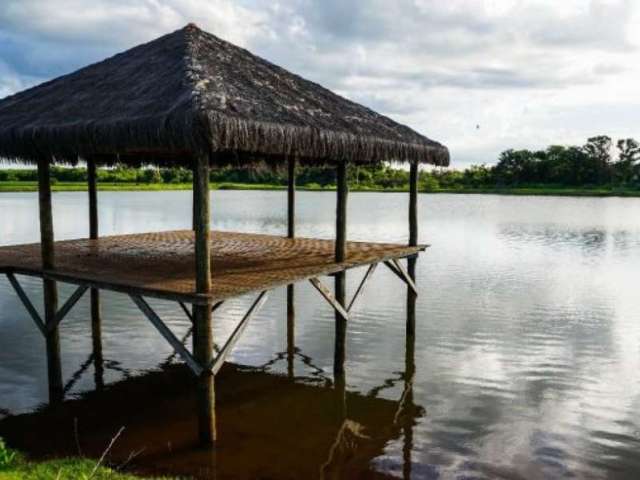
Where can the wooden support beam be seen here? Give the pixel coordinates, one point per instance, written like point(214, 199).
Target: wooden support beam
point(291, 198)
point(341, 212)
point(168, 335)
point(340, 279)
point(66, 308)
point(291, 233)
point(216, 306)
point(216, 364)
point(186, 311)
point(33, 313)
point(189, 314)
point(396, 268)
point(194, 200)
point(46, 328)
point(54, 364)
point(92, 180)
point(202, 316)
point(413, 205)
point(96, 320)
point(366, 277)
point(411, 298)
point(340, 346)
point(413, 240)
point(328, 296)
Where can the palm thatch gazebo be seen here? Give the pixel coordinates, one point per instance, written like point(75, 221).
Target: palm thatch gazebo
point(191, 99)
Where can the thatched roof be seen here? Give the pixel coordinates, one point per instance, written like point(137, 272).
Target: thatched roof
point(191, 92)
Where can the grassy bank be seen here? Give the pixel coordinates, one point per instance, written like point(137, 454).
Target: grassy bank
point(14, 466)
point(25, 186)
point(550, 191)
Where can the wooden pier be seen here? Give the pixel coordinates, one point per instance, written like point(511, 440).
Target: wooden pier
point(162, 264)
point(194, 100)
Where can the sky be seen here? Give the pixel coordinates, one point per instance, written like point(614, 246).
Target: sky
point(478, 76)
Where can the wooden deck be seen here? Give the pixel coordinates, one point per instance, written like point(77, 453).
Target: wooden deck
point(162, 264)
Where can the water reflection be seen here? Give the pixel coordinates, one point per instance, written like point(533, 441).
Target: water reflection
point(526, 331)
point(269, 426)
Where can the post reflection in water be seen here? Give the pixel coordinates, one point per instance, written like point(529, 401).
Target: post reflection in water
point(406, 404)
point(291, 325)
point(314, 429)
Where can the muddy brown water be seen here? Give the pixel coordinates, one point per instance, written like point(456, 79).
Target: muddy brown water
point(526, 352)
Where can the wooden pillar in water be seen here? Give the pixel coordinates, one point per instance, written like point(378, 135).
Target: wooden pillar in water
point(194, 216)
point(202, 316)
point(96, 320)
point(340, 256)
point(413, 241)
point(291, 233)
point(54, 364)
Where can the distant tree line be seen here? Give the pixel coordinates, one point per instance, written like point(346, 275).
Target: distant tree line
point(597, 163)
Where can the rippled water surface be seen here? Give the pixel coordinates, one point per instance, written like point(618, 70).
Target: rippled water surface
point(527, 348)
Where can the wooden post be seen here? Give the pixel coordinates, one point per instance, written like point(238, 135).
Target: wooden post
point(413, 241)
point(194, 216)
point(413, 205)
point(202, 316)
point(54, 365)
point(291, 199)
point(96, 321)
point(194, 207)
point(340, 256)
point(291, 233)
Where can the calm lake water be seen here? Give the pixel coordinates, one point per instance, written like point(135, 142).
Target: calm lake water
point(527, 346)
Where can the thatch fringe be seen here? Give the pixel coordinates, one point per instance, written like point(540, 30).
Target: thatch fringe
point(189, 93)
point(275, 139)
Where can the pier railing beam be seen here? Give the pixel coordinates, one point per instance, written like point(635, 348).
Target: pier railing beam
point(54, 364)
point(340, 256)
point(291, 233)
point(96, 320)
point(202, 316)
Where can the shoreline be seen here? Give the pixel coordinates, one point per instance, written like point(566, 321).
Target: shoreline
point(24, 187)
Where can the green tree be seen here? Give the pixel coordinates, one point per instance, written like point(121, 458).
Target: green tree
point(628, 157)
point(599, 149)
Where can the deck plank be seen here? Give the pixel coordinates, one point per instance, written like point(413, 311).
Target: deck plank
point(162, 263)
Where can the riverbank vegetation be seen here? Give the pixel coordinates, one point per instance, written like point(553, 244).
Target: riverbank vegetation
point(599, 167)
point(14, 466)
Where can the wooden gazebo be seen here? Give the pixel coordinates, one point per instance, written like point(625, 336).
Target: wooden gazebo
point(192, 99)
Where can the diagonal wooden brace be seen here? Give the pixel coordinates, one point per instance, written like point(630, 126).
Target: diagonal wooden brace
point(396, 268)
point(186, 311)
point(328, 296)
point(167, 334)
point(33, 313)
point(66, 308)
point(46, 328)
point(217, 362)
point(190, 315)
point(366, 277)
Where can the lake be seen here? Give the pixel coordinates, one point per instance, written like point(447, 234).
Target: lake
point(527, 342)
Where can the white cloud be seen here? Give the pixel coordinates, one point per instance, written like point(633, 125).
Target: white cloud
point(529, 73)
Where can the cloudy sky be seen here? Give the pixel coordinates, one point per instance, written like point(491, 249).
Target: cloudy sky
point(529, 73)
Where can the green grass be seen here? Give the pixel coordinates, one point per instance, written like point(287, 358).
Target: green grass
point(81, 187)
point(550, 191)
point(535, 190)
point(14, 466)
